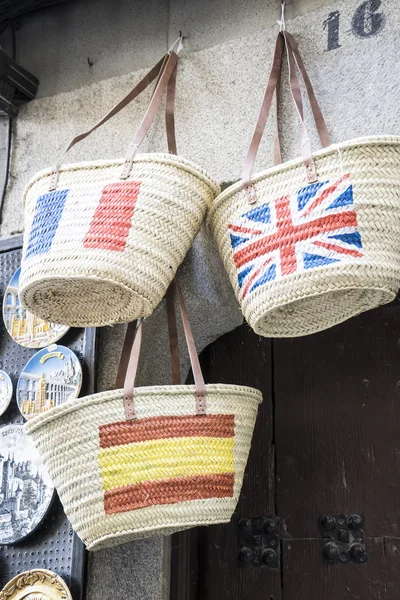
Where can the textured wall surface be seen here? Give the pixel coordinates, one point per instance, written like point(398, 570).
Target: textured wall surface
point(222, 76)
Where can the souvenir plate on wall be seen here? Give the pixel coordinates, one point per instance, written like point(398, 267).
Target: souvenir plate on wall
point(26, 490)
point(51, 377)
point(38, 584)
point(6, 391)
point(26, 329)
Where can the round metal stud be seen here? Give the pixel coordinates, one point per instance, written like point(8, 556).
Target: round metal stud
point(270, 526)
point(269, 557)
point(331, 552)
point(328, 523)
point(245, 525)
point(358, 553)
point(245, 557)
point(355, 522)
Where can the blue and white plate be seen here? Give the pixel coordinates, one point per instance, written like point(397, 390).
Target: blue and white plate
point(50, 378)
point(6, 391)
point(26, 329)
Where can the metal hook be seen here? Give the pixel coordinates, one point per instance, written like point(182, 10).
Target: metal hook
point(178, 44)
point(281, 23)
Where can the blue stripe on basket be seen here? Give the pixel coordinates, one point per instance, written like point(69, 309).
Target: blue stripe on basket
point(48, 211)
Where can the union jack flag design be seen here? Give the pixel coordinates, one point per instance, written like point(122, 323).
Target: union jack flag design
point(313, 228)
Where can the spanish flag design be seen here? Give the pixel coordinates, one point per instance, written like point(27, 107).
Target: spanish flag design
point(165, 460)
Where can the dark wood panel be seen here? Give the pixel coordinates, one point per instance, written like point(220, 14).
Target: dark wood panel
point(392, 558)
point(337, 424)
point(184, 582)
point(307, 577)
point(243, 358)
point(239, 357)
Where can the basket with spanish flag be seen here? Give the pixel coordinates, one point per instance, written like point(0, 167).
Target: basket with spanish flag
point(136, 462)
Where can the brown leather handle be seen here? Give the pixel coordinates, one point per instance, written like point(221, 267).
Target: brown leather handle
point(262, 119)
point(296, 95)
point(322, 129)
point(173, 344)
point(286, 40)
point(170, 59)
point(129, 384)
point(125, 354)
point(173, 337)
point(315, 107)
point(150, 114)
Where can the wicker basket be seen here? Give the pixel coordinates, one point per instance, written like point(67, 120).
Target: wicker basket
point(103, 240)
point(172, 460)
point(312, 242)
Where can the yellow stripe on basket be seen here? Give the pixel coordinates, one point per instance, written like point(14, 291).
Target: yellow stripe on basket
point(165, 459)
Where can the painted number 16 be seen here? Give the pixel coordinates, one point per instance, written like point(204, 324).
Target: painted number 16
point(366, 22)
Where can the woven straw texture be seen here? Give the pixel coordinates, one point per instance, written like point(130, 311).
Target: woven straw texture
point(306, 257)
point(168, 470)
point(101, 250)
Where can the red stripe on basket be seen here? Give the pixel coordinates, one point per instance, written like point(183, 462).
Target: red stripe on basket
point(157, 428)
point(168, 491)
point(112, 219)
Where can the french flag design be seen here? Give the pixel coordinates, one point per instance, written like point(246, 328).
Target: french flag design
point(104, 225)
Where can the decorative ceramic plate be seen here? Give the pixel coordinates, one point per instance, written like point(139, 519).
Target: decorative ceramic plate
point(26, 329)
point(6, 391)
point(26, 490)
point(50, 378)
point(36, 585)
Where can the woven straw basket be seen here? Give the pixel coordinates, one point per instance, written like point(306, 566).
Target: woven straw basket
point(103, 240)
point(172, 460)
point(312, 242)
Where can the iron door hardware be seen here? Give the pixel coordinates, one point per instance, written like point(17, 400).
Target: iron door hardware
point(258, 542)
point(343, 538)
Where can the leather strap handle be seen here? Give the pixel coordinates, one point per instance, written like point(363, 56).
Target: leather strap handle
point(296, 95)
point(294, 59)
point(150, 114)
point(262, 119)
point(173, 337)
point(277, 141)
point(155, 73)
point(173, 344)
point(315, 107)
point(129, 384)
point(170, 112)
point(194, 357)
point(125, 354)
point(316, 110)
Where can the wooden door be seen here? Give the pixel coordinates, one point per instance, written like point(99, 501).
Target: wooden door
point(326, 445)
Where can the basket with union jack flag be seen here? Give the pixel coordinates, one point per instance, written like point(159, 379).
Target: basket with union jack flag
point(311, 242)
point(137, 462)
point(104, 239)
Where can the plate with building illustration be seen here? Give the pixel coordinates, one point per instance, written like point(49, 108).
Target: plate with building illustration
point(26, 490)
point(50, 378)
point(26, 329)
point(6, 391)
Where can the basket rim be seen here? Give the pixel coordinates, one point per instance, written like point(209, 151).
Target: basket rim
point(371, 140)
point(100, 397)
point(159, 157)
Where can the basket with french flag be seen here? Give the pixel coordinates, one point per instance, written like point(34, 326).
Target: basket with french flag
point(103, 240)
